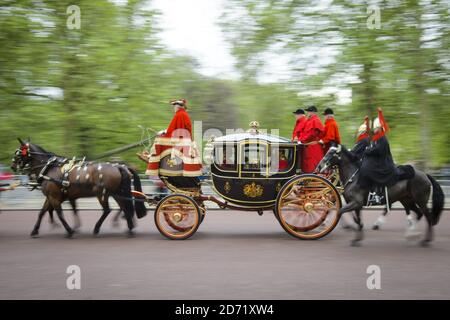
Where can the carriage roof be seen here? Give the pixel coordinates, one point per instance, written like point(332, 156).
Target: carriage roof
point(239, 137)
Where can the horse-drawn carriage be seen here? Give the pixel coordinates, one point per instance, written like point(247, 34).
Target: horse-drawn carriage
point(250, 172)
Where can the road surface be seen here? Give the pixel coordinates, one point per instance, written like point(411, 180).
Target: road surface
point(234, 255)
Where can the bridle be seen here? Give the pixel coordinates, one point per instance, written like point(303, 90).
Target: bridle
point(337, 155)
point(23, 156)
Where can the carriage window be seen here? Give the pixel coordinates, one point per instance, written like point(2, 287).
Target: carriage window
point(225, 157)
point(254, 158)
point(281, 159)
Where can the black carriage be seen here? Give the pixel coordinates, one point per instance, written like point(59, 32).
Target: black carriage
point(251, 172)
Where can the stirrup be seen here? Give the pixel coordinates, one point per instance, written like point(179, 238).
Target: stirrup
point(374, 199)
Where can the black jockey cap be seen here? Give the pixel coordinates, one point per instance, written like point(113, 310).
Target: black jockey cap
point(299, 111)
point(328, 111)
point(311, 109)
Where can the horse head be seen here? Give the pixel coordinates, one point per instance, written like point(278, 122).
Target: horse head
point(331, 158)
point(22, 159)
point(25, 154)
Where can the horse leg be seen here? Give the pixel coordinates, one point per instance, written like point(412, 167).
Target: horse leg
point(380, 220)
point(128, 217)
point(359, 235)
point(73, 203)
point(44, 209)
point(115, 222)
point(53, 223)
point(351, 206)
point(411, 222)
point(106, 210)
point(56, 204)
point(429, 233)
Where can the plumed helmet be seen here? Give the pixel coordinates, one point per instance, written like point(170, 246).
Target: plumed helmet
point(377, 123)
point(362, 129)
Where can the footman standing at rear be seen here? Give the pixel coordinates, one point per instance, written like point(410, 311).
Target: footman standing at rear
point(313, 151)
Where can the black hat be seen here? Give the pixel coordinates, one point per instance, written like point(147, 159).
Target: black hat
point(328, 111)
point(311, 109)
point(299, 111)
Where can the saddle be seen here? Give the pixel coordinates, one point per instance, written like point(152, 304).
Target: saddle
point(377, 196)
point(406, 172)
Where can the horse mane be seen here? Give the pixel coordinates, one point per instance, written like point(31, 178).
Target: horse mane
point(37, 148)
point(350, 155)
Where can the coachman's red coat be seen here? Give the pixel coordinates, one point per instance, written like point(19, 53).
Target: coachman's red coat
point(312, 154)
point(331, 134)
point(299, 127)
point(174, 153)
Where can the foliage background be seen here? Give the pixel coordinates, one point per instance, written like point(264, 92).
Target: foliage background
point(83, 92)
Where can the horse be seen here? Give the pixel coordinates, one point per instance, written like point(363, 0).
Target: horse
point(413, 193)
point(86, 179)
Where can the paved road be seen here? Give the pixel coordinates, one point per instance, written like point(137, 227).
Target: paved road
point(234, 255)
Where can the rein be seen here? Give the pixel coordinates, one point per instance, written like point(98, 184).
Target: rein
point(351, 178)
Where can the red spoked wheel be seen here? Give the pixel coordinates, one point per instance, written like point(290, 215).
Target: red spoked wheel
point(308, 207)
point(177, 217)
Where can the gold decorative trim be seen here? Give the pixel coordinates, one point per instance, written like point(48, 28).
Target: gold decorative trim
point(253, 190)
point(227, 187)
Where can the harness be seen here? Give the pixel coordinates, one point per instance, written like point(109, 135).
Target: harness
point(43, 174)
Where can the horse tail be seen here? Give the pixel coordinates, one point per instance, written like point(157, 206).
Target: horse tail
point(139, 206)
point(438, 200)
point(125, 192)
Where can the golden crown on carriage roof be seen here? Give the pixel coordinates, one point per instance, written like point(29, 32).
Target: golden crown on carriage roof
point(254, 127)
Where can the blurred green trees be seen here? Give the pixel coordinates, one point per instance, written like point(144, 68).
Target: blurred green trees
point(402, 65)
point(84, 91)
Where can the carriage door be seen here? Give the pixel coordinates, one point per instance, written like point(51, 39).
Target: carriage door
point(254, 160)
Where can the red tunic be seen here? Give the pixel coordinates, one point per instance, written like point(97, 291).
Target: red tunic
point(299, 127)
point(312, 154)
point(180, 121)
point(180, 128)
point(331, 134)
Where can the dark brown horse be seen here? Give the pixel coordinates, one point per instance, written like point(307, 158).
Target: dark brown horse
point(60, 182)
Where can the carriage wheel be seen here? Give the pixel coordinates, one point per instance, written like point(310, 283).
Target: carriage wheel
point(177, 217)
point(308, 207)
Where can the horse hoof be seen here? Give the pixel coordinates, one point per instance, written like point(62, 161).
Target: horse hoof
point(70, 234)
point(425, 243)
point(56, 225)
point(347, 227)
point(355, 243)
point(131, 234)
point(412, 235)
point(34, 234)
point(376, 227)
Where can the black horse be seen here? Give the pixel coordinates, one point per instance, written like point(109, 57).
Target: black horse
point(413, 193)
point(99, 180)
